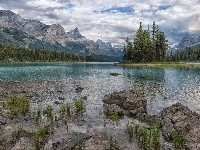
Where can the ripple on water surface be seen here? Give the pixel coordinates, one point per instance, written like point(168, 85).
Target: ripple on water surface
point(162, 86)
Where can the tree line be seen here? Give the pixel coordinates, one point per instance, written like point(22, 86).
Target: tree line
point(20, 54)
point(188, 54)
point(147, 46)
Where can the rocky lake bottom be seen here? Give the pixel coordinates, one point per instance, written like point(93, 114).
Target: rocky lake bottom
point(90, 128)
point(90, 106)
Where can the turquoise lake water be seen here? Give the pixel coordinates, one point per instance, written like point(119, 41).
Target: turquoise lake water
point(162, 86)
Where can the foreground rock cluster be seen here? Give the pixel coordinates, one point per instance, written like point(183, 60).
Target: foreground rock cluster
point(176, 118)
point(125, 101)
point(180, 119)
point(173, 119)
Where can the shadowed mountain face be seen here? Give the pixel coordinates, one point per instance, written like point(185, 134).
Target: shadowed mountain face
point(52, 34)
point(107, 49)
point(35, 34)
point(192, 41)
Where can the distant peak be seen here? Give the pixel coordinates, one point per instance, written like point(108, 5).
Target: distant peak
point(99, 40)
point(75, 34)
point(76, 30)
point(56, 25)
point(7, 12)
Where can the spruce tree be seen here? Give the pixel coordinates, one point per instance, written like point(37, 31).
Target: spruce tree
point(124, 59)
point(153, 54)
point(146, 48)
point(139, 43)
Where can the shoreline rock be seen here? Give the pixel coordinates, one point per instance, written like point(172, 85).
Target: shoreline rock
point(180, 119)
point(174, 119)
point(126, 100)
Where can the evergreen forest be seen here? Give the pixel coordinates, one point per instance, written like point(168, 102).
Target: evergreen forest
point(147, 46)
point(187, 55)
point(20, 54)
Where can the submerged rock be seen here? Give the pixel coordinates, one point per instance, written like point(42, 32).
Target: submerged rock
point(58, 102)
point(114, 74)
point(126, 100)
point(84, 98)
point(113, 108)
point(97, 142)
point(180, 119)
point(79, 89)
point(8, 128)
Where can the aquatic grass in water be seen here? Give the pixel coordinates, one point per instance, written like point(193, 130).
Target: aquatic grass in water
point(38, 116)
point(130, 130)
point(179, 140)
point(79, 105)
point(18, 105)
point(111, 115)
point(65, 112)
point(48, 112)
point(65, 109)
point(39, 136)
point(148, 137)
point(113, 144)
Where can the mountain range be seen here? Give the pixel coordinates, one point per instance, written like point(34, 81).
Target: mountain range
point(29, 33)
point(34, 34)
point(190, 41)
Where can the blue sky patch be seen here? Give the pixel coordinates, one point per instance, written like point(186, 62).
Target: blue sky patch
point(164, 7)
point(70, 6)
point(127, 10)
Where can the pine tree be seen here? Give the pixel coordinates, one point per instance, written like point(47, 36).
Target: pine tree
point(130, 51)
point(139, 43)
point(163, 46)
point(153, 54)
point(146, 48)
point(124, 54)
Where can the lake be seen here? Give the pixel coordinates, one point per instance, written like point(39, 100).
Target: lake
point(161, 86)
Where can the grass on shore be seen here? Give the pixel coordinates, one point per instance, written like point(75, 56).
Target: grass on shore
point(161, 64)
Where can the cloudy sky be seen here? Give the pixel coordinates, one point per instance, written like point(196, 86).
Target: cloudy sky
point(113, 20)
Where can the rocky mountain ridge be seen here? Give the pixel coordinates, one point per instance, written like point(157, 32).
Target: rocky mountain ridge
point(107, 49)
point(54, 33)
point(190, 41)
point(56, 36)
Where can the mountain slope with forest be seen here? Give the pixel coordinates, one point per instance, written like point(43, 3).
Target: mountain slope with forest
point(29, 33)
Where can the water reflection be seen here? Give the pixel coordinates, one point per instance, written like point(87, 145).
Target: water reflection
point(165, 86)
point(161, 86)
point(144, 74)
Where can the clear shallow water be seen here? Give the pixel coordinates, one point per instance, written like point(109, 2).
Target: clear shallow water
point(162, 86)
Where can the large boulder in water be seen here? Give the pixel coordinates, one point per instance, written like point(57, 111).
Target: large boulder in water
point(130, 100)
point(180, 119)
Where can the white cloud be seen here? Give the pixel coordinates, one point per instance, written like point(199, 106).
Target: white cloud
point(44, 3)
point(177, 18)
